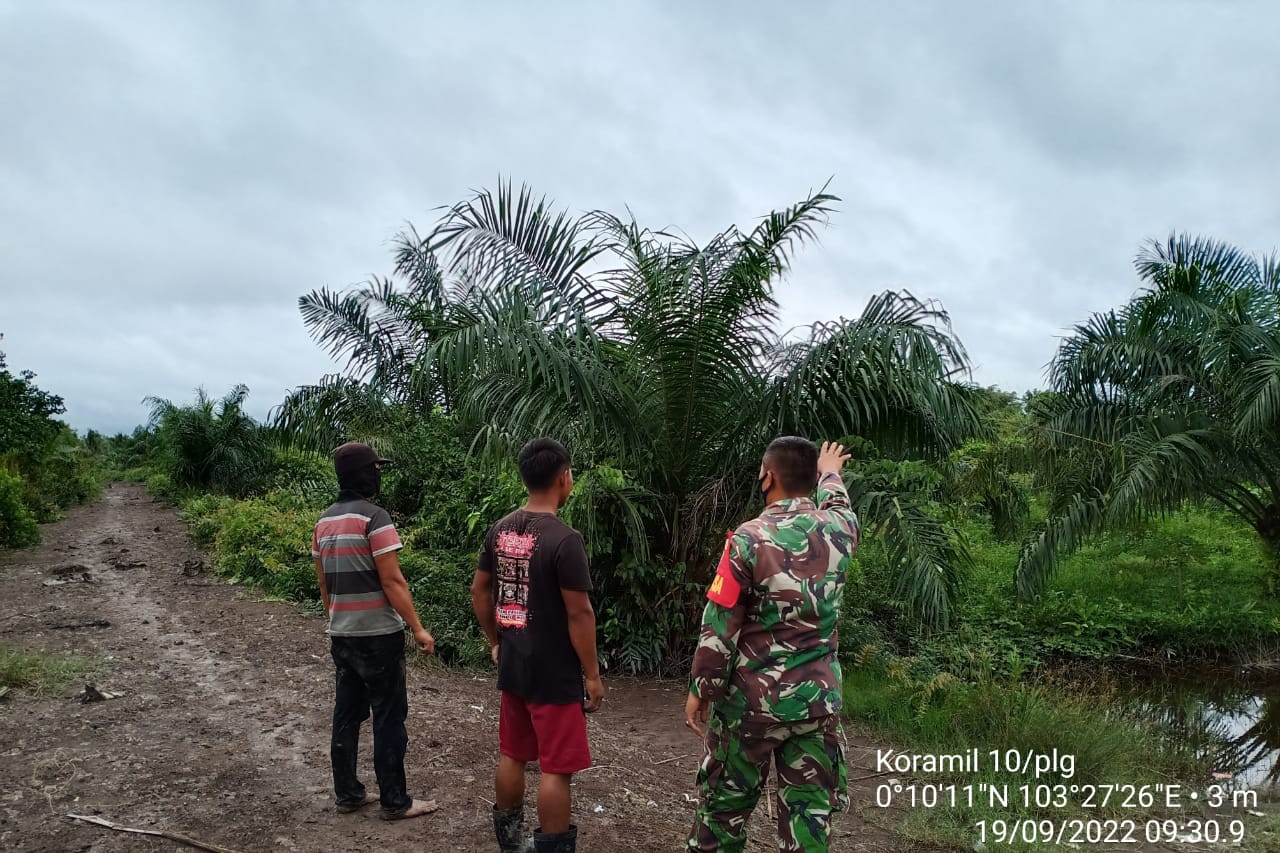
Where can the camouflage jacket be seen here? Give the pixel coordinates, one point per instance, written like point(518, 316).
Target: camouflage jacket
point(768, 645)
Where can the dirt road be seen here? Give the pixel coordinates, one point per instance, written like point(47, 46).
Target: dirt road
point(222, 732)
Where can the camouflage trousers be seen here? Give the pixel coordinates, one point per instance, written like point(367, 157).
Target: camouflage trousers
point(812, 783)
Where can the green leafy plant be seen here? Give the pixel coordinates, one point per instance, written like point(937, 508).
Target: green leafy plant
point(441, 587)
point(54, 468)
point(265, 542)
point(18, 527)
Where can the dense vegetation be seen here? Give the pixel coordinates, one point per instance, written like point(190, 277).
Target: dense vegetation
point(657, 360)
point(1128, 513)
point(1174, 397)
point(44, 466)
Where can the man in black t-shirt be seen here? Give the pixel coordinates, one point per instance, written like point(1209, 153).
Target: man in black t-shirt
point(530, 596)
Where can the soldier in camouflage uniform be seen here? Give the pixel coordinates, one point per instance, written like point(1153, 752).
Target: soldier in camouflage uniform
point(766, 680)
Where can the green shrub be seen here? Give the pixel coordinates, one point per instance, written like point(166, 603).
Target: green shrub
point(645, 613)
point(58, 470)
point(431, 473)
point(441, 589)
point(308, 476)
point(18, 526)
point(265, 542)
point(65, 475)
point(1194, 581)
point(203, 515)
point(161, 486)
point(128, 458)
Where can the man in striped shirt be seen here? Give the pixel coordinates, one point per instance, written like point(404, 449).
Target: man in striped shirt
point(368, 602)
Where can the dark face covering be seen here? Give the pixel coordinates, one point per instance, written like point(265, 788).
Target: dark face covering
point(760, 485)
point(361, 483)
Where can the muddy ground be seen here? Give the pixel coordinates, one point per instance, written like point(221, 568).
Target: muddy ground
point(221, 731)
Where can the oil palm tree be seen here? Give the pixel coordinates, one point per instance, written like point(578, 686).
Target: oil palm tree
point(1174, 397)
point(660, 358)
point(212, 445)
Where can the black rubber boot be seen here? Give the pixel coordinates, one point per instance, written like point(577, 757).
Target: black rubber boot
point(561, 842)
point(508, 825)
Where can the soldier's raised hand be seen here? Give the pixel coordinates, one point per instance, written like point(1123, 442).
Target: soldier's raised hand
point(831, 458)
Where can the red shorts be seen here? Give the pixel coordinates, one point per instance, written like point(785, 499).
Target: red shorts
point(553, 735)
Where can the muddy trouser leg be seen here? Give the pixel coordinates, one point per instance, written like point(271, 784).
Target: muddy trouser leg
point(350, 709)
point(731, 776)
point(812, 784)
point(389, 699)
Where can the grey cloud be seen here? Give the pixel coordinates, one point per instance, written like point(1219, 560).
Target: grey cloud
point(174, 176)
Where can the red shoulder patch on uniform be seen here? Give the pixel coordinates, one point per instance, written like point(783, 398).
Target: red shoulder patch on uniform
point(725, 589)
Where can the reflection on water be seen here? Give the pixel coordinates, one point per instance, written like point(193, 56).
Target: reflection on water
point(1235, 722)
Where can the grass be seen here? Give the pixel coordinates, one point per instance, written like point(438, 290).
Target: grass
point(36, 672)
point(1194, 584)
point(948, 716)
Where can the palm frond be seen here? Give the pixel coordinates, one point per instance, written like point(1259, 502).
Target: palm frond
point(930, 562)
point(1166, 465)
point(766, 252)
point(1191, 266)
point(1173, 397)
point(1259, 401)
point(333, 411)
point(888, 375)
point(505, 236)
point(1061, 535)
point(364, 326)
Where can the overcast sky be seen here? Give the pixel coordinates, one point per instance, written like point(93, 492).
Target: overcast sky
point(173, 175)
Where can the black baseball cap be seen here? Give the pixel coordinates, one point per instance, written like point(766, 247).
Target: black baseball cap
point(353, 456)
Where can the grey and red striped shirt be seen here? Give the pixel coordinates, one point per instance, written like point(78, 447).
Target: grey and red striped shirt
point(347, 537)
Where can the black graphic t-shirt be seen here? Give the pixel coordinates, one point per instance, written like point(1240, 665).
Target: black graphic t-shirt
point(532, 557)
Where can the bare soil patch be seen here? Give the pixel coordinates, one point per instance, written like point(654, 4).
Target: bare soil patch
point(220, 730)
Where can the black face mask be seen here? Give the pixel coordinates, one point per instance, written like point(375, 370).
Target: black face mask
point(363, 483)
point(760, 485)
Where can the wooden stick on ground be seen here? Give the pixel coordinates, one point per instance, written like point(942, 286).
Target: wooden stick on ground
point(172, 836)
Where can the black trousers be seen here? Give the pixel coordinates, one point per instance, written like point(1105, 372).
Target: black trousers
point(370, 677)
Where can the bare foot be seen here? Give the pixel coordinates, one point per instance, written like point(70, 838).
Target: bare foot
point(417, 808)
